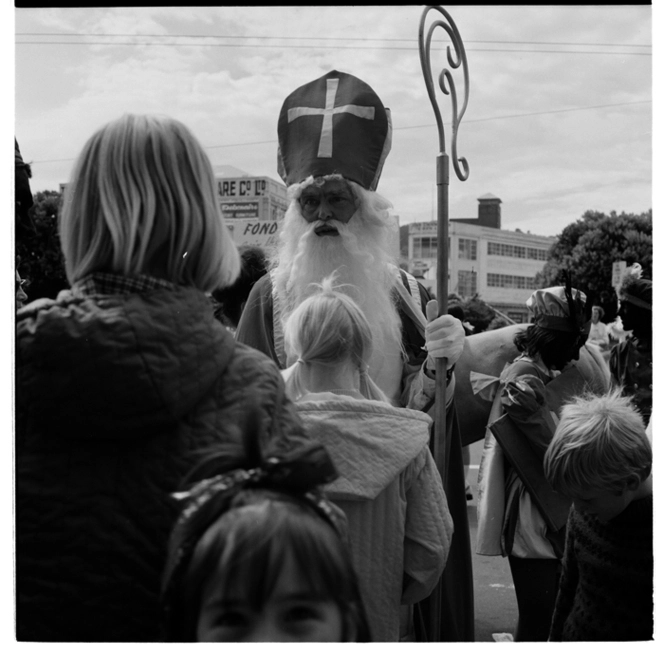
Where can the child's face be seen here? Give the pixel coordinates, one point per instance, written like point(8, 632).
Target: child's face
point(606, 505)
point(291, 614)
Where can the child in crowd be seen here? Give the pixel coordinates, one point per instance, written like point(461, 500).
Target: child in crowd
point(122, 380)
point(601, 458)
point(389, 487)
point(258, 555)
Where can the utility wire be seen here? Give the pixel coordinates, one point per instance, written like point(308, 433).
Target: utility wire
point(316, 47)
point(324, 38)
point(476, 120)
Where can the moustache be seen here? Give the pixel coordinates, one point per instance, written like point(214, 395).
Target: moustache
point(327, 227)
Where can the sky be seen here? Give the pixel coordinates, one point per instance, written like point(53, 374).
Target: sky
point(558, 119)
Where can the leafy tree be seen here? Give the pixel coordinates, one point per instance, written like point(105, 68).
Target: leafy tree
point(588, 247)
point(41, 259)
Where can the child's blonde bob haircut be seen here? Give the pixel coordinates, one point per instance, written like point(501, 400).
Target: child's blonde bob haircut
point(329, 328)
point(599, 444)
point(142, 200)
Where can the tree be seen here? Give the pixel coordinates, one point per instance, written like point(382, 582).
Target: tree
point(587, 249)
point(41, 259)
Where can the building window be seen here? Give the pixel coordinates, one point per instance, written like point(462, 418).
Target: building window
point(467, 286)
point(537, 253)
point(516, 251)
point(424, 247)
point(468, 249)
point(509, 281)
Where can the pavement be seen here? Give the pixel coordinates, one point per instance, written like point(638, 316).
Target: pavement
point(495, 602)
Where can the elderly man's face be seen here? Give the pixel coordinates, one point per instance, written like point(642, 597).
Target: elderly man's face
point(334, 200)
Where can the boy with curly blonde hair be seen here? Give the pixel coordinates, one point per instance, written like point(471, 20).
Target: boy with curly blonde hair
point(601, 458)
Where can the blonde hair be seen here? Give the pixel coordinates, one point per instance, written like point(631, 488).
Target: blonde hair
point(599, 443)
point(142, 200)
point(329, 328)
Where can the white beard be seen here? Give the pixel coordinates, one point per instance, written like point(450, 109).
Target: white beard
point(360, 259)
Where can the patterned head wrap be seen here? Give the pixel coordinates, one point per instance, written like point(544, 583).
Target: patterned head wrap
point(560, 308)
point(298, 474)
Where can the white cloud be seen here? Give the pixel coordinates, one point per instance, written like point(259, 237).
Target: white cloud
point(547, 168)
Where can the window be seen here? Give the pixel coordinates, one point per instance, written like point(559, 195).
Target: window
point(537, 253)
point(516, 251)
point(467, 285)
point(509, 281)
point(424, 247)
point(468, 249)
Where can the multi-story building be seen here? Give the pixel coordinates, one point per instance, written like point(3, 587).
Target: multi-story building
point(253, 207)
point(498, 264)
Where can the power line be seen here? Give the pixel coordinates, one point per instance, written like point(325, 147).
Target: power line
point(324, 38)
point(317, 47)
point(476, 120)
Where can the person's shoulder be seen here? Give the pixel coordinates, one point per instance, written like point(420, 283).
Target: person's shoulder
point(42, 312)
point(261, 292)
point(263, 283)
point(413, 284)
point(522, 365)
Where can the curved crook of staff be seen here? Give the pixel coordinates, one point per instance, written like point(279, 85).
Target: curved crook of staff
point(456, 58)
point(440, 443)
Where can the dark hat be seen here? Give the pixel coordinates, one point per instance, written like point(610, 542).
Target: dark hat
point(334, 125)
point(637, 291)
point(560, 309)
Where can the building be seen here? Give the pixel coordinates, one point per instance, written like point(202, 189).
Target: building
point(498, 264)
point(253, 207)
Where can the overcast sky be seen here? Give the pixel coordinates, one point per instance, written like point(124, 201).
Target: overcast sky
point(559, 117)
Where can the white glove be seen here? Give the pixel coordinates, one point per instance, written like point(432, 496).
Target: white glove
point(444, 336)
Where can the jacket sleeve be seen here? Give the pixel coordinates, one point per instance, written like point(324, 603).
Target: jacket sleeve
point(567, 585)
point(523, 399)
point(429, 529)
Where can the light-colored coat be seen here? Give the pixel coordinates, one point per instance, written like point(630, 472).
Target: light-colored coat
point(399, 522)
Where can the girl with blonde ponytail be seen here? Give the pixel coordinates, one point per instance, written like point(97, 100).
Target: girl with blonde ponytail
point(331, 338)
point(399, 522)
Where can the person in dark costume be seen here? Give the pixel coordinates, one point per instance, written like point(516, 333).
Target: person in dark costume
point(631, 360)
point(334, 136)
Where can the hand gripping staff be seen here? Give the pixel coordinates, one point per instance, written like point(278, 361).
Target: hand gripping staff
point(456, 58)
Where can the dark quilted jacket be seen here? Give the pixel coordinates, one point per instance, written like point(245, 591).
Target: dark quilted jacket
point(115, 396)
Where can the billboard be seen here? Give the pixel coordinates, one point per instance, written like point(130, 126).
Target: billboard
point(257, 198)
point(263, 233)
point(240, 209)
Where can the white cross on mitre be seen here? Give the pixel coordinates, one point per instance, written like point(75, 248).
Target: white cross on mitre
point(325, 145)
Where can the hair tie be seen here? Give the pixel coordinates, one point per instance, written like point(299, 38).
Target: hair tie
point(300, 360)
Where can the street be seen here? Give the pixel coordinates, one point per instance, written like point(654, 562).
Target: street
point(495, 602)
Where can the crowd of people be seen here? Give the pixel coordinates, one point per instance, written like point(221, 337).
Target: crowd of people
point(218, 445)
